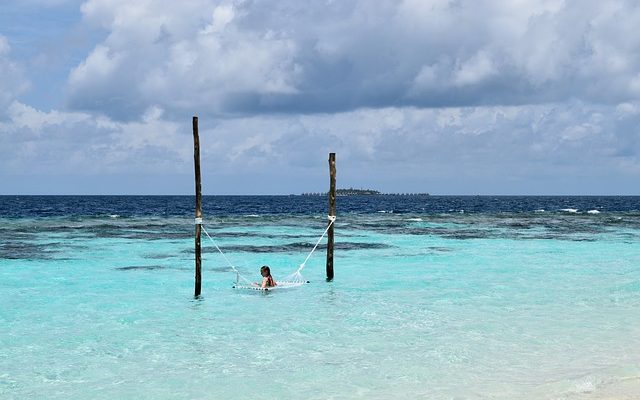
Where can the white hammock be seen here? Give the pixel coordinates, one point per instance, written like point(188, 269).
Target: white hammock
point(290, 281)
point(280, 285)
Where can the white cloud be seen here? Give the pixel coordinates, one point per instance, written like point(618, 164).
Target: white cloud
point(159, 53)
point(489, 149)
point(221, 17)
point(99, 65)
point(57, 142)
point(4, 46)
point(624, 109)
point(475, 70)
point(27, 117)
point(245, 57)
point(12, 81)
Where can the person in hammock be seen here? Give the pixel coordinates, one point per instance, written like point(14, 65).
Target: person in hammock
point(267, 279)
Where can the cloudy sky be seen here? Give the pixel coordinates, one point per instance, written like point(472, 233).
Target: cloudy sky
point(439, 96)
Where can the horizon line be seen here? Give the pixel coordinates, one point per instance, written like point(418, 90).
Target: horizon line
point(321, 194)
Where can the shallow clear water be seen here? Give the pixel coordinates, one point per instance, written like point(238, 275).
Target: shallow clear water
point(497, 303)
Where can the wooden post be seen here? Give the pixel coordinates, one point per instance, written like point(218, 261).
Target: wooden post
point(332, 212)
point(196, 159)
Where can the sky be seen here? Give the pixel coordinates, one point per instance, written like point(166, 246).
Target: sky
point(439, 96)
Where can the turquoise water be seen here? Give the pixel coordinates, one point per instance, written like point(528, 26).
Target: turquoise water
point(423, 306)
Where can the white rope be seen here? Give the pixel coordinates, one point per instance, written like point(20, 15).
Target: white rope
point(332, 219)
point(238, 275)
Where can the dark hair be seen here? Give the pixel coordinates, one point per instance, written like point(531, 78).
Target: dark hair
point(266, 269)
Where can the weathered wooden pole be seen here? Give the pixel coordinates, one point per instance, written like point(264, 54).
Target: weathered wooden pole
point(196, 159)
point(332, 213)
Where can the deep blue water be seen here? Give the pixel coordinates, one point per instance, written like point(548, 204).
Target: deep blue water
point(130, 206)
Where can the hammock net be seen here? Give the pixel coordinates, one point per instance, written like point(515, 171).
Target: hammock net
point(290, 281)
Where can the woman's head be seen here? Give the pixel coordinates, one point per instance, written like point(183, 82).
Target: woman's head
point(265, 271)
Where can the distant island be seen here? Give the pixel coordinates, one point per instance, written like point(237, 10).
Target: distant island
point(363, 192)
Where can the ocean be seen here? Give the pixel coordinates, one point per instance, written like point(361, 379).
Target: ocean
point(434, 297)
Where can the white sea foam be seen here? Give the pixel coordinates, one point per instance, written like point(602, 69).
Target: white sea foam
point(569, 210)
point(114, 216)
point(593, 212)
point(541, 210)
point(252, 216)
point(415, 219)
point(584, 386)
